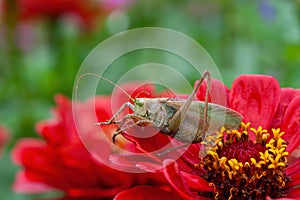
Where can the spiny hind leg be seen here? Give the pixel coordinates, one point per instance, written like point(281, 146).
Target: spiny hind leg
point(202, 128)
point(180, 114)
point(205, 114)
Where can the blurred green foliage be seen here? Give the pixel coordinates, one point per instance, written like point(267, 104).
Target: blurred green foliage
point(41, 60)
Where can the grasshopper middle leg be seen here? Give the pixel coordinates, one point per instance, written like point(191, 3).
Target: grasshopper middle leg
point(124, 121)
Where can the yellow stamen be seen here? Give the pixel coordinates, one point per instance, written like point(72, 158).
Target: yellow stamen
point(249, 176)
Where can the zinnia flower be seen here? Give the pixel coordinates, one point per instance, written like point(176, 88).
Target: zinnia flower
point(256, 161)
point(60, 161)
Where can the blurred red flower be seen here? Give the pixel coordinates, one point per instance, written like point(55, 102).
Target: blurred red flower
point(60, 160)
point(86, 11)
point(260, 161)
point(4, 135)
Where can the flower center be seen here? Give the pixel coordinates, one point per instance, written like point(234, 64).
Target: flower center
point(243, 151)
point(240, 168)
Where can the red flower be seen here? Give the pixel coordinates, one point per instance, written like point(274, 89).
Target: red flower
point(86, 11)
point(60, 160)
point(249, 163)
point(4, 135)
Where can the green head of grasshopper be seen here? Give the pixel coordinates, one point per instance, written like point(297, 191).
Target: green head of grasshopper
point(138, 107)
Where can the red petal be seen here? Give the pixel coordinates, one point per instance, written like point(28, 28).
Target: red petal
point(295, 180)
point(52, 131)
point(218, 92)
point(294, 193)
point(189, 157)
point(196, 183)
point(102, 107)
point(256, 97)
point(175, 178)
point(137, 163)
point(291, 124)
point(23, 185)
point(145, 192)
point(147, 139)
point(287, 95)
point(23, 145)
point(293, 168)
point(62, 127)
point(269, 198)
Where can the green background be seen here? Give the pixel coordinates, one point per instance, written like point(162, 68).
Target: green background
point(242, 37)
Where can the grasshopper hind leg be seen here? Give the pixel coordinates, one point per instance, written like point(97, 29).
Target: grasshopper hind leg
point(201, 133)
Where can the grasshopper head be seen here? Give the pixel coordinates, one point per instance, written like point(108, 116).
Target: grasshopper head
point(140, 108)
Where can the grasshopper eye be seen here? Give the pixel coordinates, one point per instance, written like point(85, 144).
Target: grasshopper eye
point(139, 103)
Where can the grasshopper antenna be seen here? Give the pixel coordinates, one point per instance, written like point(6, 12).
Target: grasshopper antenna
point(140, 92)
point(101, 77)
point(167, 90)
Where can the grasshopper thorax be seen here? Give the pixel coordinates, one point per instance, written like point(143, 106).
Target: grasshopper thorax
point(152, 109)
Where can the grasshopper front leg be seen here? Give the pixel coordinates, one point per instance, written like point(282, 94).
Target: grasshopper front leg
point(121, 129)
point(112, 120)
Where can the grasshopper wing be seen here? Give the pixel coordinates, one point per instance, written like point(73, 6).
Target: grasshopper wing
point(192, 123)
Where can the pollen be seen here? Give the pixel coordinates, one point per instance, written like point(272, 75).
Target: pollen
point(240, 168)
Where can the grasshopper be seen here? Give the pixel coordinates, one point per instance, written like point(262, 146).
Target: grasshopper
point(186, 120)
